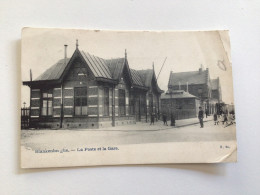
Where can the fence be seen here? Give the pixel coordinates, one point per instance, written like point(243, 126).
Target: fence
point(25, 118)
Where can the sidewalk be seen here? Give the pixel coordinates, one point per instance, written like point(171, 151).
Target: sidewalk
point(141, 126)
point(191, 121)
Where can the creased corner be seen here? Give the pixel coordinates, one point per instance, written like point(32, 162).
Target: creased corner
point(230, 157)
point(224, 39)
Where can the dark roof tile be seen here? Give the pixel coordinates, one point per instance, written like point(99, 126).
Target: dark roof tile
point(115, 66)
point(176, 94)
point(54, 72)
point(96, 65)
point(101, 68)
point(136, 77)
point(192, 77)
point(146, 76)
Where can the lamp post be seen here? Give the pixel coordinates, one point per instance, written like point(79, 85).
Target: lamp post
point(172, 116)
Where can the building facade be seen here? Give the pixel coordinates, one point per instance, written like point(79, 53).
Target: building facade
point(86, 91)
point(216, 90)
point(180, 103)
point(199, 84)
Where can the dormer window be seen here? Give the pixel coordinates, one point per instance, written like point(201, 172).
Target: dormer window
point(82, 74)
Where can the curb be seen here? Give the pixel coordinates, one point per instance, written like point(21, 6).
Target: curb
point(192, 124)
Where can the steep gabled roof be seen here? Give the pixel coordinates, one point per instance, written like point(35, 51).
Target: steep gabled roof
point(105, 70)
point(176, 94)
point(192, 77)
point(136, 77)
point(115, 67)
point(54, 72)
point(146, 76)
point(97, 65)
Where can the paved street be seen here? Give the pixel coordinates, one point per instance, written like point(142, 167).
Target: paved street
point(49, 139)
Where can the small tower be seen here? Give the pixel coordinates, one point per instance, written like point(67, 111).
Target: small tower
point(77, 43)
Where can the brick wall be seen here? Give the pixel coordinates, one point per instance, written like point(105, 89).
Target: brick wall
point(181, 108)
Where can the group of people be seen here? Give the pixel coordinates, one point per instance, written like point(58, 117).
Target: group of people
point(224, 118)
point(164, 118)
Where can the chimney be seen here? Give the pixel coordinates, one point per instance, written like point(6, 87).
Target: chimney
point(200, 69)
point(125, 54)
point(77, 43)
point(30, 74)
point(65, 52)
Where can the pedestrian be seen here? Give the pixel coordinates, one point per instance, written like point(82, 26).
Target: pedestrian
point(219, 118)
point(152, 118)
point(225, 120)
point(207, 113)
point(164, 116)
point(201, 116)
point(231, 119)
point(215, 118)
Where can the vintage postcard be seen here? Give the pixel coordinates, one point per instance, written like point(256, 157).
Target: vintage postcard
point(96, 97)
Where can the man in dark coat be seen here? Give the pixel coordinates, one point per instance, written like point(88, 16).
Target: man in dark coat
point(164, 116)
point(215, 118)
point(152, 118)
point(207, 113)
point(201, 116)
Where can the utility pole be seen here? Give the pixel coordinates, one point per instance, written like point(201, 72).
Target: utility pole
point(161, 69)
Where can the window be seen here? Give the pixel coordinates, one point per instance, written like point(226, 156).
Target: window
point(200, 91)
point(79, 72)
point(80, 95)
point(46, 109)
point(106, 101)
point(121, 100)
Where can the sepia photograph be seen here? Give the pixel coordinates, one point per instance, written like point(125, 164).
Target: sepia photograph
point(98, 97)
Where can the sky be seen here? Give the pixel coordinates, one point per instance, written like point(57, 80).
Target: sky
point(184, 50)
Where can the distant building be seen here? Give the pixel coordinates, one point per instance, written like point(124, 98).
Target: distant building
point(86, 91)
point(216, 90)
point(181, 104)
point(199, 84)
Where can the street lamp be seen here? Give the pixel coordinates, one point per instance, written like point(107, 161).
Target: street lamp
point(24, 104)
point(172, 116)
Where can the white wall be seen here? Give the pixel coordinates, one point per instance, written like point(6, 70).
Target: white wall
point(241, 17)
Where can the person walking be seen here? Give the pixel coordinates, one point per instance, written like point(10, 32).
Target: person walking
point(164, 116)
point(201, 116)
point(225, 120)
point(152, 118)
point(207, 113)
point(215, 118)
